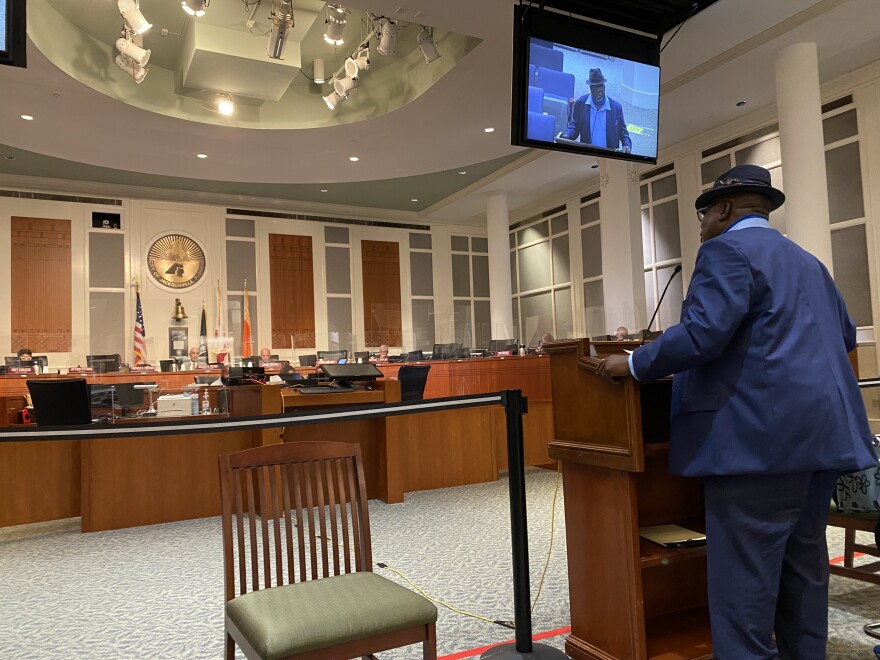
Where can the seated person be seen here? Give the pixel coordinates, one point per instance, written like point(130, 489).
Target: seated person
point(621, 333)
point(194, 361)
point(25, 355)
point(383, 354)
point(545, 338)
point(265, 357)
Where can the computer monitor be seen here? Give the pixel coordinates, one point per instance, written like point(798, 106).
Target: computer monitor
point(127, 397)
point(351, 372)
point(308, 360)
point(246, 375)
point(501, 345)
point(103, 363)
point(62, 402)
point(444, 351)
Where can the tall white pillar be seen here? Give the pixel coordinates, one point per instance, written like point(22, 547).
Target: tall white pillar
point(500, 294)
point(623, 268)
point(799, 105)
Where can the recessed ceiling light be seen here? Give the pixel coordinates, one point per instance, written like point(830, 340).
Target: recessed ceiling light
point(462, 171)
point(10, 157)
point(202, 156)
point(27, 117)
point(414, 199)
point(740, 104)
point(353, 159)
point(489, 130)
point(323, 190)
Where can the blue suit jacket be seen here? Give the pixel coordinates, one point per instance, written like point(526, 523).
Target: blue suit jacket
point(764, 383)
point(616, 134)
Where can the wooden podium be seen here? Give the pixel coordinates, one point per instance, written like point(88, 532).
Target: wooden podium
point(630, 598)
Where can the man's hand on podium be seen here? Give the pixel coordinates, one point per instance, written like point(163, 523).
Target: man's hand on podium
point(614, 366)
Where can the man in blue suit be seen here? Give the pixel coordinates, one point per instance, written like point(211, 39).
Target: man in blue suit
point(598, 118)
point(766, 408)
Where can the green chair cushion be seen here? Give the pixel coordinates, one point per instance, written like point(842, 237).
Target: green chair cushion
point(315, 614)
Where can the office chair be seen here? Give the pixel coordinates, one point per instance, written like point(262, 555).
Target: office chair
point(362, 356)
point(279, 603)
point(540, 126)
point(308, 360)
point(12, 361)
point(498, 345)
point(103, 363)
point(63, 402)
point(166, 365)
point(413, 378)
point(333, 355)
point(415, 356)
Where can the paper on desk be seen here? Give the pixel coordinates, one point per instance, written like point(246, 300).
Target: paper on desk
point(627, 351)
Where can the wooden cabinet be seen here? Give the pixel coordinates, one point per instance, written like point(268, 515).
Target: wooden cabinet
point(630, 598)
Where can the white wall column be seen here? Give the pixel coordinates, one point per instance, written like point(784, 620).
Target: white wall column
point(623, 279)
point(687, 169)
point(799, 105)
point(501, 297)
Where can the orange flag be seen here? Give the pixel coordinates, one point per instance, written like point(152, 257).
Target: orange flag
point(246, 341)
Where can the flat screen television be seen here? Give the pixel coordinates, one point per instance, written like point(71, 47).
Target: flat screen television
point(584, 87)
point(13, 27)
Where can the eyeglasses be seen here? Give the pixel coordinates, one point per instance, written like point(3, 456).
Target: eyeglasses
point(701, 213)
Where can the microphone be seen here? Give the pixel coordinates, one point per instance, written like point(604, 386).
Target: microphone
point(675, 272)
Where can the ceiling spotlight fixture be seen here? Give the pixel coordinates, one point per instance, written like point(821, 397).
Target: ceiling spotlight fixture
point(131, 50)
point(195, 7)
point(414, 199)
point(462, 171)
point(362, 58)
point(387, 36)
point(342, 86)
point(27, 117)
point(132, 68)
point(489, 130)
point(353, 159)
point(282, 23)
point(335, 25)
point(225, 105)
point(318, 71)
point(427, 45)
point(332, 100)
point(740, 104)
point(322, 189)
point(130, 10)
point(202, 156)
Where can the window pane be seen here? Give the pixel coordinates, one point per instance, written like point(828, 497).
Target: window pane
point(237, 227)
point(513, 288)
point(338, 270)
point(762, 153)
point(336, 235)
point(670, 310)
point(591, 251)
point(712, 169)
point(479, 244)
point(422, 273)
point(850, 254)
point(643, 194)
point(108, 334)
point(241, 265)
point(516, 323)
point(650, 296)
point(561, 267)
point(420, 241)
point(534, 233)
point(423, 325)
point(534, 266)
point(844, 175)
point(460, 244)
point(462, 321)
point(537, 317)
point(339, 324)
point(106, 261)
point(666, 237)
point(840, 126)
point(564, 327)
point(558, 224)
point(461, 276)
point(594, 308)
point(481, 276)
point(590, 213)
point(512, 237)
point(647, 255)
point(664, 187)
point(482, 324)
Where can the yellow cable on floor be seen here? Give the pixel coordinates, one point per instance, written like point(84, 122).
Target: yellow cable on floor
point(552, 530)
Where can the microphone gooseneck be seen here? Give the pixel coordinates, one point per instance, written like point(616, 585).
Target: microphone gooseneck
point(659, 302)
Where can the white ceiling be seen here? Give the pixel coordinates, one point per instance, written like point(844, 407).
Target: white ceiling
point(723, 55)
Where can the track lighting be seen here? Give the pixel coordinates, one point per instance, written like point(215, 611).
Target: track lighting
point(387, 36)
point(225, 105)
point(131, 50)
point(344, 85)
point(335, 23)
point(332, 100)
point(362, 59)
point(282, 23)
point(132, 68)
point(131, 12)
point(318, 71)
point(427, 45)
point(195, 7)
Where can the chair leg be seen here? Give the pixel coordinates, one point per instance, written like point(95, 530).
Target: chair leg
point(429, 646)
point(873, 629)
point(849, 540)
point(230, 648)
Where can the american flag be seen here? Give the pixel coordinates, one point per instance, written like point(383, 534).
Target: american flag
point(140, 333)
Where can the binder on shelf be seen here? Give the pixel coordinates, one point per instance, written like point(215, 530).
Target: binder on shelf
point(673, 536)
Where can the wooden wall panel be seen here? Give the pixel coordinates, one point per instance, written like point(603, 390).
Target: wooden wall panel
point(381, 278)
point(292, 289)
point(41, 285)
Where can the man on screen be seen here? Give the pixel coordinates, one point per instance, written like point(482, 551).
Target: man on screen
point(598, 119)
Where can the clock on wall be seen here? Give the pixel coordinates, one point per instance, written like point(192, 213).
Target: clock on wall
point(176, 261)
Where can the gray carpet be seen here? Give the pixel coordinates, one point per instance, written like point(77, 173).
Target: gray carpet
point(157, 592)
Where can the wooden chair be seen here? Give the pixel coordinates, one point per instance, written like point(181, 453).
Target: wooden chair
point(299, 580)
point(852, 523)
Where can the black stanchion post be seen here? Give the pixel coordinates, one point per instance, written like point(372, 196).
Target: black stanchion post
point(515, 405)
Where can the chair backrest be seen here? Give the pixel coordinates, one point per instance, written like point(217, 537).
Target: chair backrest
point(12, 361)
point(103, 363)
point(333, 355)
point(542, 56)
point(536, 99)
point(63, 402)
point(444, 351)
point(293, 512)
point(412, 379)
point(42, 359)
point(166, 365)
point(541, 127)
point(496, 345)
point(415, 356)
point(555, 82)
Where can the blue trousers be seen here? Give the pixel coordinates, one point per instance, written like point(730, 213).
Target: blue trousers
point(767, 563)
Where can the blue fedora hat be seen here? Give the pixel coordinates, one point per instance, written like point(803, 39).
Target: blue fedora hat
point(740, 180)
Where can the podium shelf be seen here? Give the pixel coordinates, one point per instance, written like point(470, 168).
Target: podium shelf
point(682, 635)
point(652, 554)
